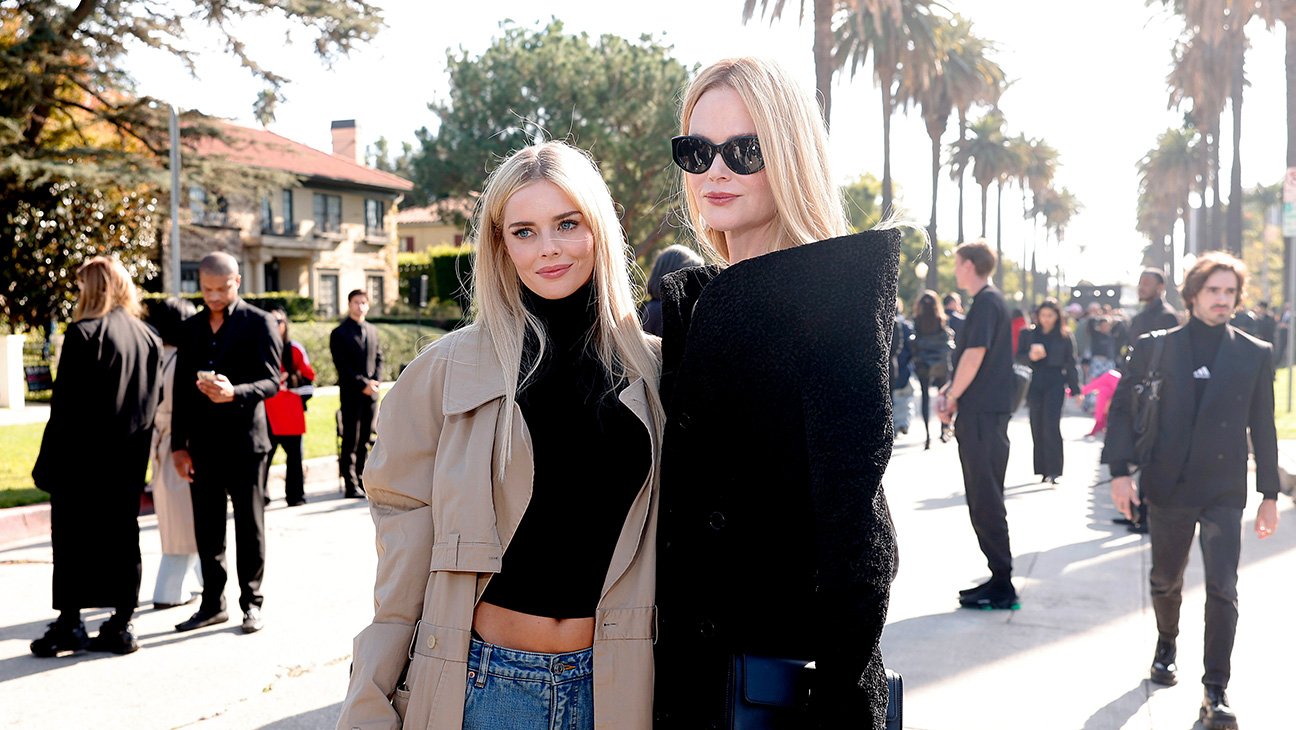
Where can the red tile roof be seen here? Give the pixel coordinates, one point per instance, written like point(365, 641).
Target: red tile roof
point(447, 212)
point(265, 149)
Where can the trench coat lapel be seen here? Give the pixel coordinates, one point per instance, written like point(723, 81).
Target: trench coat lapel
point(634, 397)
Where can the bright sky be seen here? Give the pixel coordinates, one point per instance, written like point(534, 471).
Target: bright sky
point(1089, 78)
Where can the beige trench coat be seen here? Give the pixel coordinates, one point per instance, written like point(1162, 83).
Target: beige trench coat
point(444, 520)
point(171, 498)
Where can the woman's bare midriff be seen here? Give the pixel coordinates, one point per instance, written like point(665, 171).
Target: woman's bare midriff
point(527, 632)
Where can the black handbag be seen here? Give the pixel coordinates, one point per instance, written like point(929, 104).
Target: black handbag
point(1147, 404)
point(772, 693)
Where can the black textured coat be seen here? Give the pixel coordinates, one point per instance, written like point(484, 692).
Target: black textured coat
point(775, 537)
point(93, 457)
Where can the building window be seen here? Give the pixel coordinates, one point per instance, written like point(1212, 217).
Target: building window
point(327, 302)
point(271, 271)
point(458, 239)
point(189, 277)
point(328, 213)
point(374, 217)
point(267, 215)
point(289, 225)
point(409, 244)
point(374, 285)
point(203, 212)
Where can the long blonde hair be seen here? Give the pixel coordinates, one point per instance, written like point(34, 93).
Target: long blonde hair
point(106, 285)
point(794, 143)
point(619, 341)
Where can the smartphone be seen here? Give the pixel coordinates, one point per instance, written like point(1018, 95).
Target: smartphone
point(208, 375)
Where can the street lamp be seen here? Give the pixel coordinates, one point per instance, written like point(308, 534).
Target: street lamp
point(921, 270)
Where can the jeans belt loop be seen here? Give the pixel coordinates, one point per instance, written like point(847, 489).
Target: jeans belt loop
point(413, 639)
point(485, 662)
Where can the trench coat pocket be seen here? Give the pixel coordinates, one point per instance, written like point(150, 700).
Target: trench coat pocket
point(454, 554)
point(400, 702)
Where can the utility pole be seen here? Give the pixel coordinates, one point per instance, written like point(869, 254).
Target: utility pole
point(175, 199)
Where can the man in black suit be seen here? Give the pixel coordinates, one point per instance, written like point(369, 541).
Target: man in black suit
point(228, 364)
point(1217, 388)
point(358, 359)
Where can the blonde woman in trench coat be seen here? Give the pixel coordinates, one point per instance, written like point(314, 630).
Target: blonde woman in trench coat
point(179, 580)
point(467, 471)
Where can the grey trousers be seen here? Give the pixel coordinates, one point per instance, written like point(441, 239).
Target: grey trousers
point(1171, 531)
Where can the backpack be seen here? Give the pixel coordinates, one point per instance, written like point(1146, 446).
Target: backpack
point(931, 354)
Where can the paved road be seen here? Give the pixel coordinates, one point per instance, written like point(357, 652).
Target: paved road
point(1074, 657)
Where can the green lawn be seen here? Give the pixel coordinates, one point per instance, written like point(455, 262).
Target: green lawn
point(18, 448)
point(1286, 421)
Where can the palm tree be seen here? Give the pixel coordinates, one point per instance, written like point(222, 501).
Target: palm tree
point(1023, 153)
point(1168, 174)
point(1040, 163)
point(964, 73)
point(978, 80)
point(823, 39)
point(900, 37)
point(1057, 208)
point(988, 153)
point(1200, 75)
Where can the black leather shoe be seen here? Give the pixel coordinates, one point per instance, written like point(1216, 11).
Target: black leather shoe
point(162, 606)
point(297, 502)
point(61, 639)
point(1163, 669)
point(252, 621)
point(994, 596)
point(1215, 712)
point(115, 640)
point(202, 618)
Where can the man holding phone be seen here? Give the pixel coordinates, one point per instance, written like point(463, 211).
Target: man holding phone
point(228, 364)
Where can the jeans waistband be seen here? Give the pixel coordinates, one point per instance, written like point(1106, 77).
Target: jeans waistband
point(486, 658)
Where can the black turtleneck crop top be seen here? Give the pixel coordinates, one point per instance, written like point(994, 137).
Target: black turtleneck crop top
point(592, 456)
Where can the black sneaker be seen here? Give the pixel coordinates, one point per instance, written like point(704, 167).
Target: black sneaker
point(977, 589)
point(61, 639)
point(1215, 712)
point(992, 597)
point(114, 640)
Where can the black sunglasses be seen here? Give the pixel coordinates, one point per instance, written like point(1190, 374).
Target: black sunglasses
point(694, 154)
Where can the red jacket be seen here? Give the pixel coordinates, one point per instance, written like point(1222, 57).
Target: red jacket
point(285, 410)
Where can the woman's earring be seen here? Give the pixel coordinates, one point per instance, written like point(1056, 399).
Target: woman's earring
point(706, 227)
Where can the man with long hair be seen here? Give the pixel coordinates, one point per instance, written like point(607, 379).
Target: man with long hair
point(1216, 394)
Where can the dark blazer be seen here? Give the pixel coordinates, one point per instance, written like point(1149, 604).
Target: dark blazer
point(774, 536)
point(1200, 457)
point(108, 386)
point(249, 355)
point(356, 363)
point(1157, 315)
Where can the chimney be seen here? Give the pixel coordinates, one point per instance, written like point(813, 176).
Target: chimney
point(346, 141)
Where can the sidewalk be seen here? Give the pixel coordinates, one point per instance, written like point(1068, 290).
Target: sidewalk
point(1073, 658)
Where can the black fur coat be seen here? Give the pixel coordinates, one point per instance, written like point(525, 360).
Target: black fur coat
point(775, 536)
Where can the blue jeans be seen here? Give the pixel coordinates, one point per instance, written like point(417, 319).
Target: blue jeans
point(522, 690)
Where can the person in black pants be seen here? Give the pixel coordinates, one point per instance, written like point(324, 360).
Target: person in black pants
point(981, 394)
point(1049, 351)
point(930, 347)
point(227, 366)
point(358, 359)
point(1216, 394)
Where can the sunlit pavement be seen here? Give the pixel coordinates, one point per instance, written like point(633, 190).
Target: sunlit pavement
point(1074, 657)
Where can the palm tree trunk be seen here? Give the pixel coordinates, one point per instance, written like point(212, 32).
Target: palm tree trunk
point(932, 278)
point(1025, 250)
point(962, 140)
point(999, 270)
point(1216, 232)
point(1035, 282)
point(823, 43)
point(886, 148)
point(985, 189)
point(1234, 226)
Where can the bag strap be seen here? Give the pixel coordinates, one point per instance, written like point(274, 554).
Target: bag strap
point(1158, 345)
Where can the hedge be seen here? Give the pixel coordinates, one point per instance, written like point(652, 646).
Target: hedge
point(299, 308)
point(400, 344)
point(448, 269)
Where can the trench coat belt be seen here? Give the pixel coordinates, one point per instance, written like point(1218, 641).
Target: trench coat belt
point(441, 642)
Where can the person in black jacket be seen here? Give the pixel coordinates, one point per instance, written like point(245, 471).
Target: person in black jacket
point(92, 460)
point(1156, 314)
point(930, 348)
point(672, 258)
point(1049, 351)
point(358, 358)
point(775, 381)
point(1217, 392)
point(228, 365)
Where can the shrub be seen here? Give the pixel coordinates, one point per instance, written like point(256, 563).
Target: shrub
point(448, 269)
point(400, 344)
point(299, 308)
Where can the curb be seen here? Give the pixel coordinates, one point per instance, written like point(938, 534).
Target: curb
point(33, 521)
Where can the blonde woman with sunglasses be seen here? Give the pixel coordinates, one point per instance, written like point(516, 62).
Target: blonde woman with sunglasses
point(777, 548)
point(512, 484)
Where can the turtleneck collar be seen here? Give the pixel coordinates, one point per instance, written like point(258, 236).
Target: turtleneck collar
point(568, 320)
point(1198, 325)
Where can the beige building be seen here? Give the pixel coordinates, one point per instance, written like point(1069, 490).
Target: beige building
point(443, 223)
point(333, 233)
